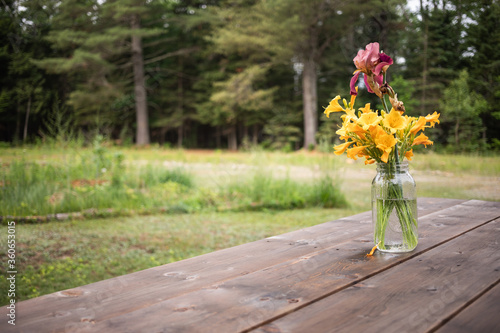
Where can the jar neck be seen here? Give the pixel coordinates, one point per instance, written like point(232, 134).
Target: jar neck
point(392, 167)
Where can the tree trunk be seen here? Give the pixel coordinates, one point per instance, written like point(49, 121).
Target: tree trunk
point(310, 100)
point(17, 133)
point(255, 134)
point(218, 135)
point(28, 109)
point(141, 108)
point(180, 106)
point(244, 130)
point(180, 136)
point(163, 132)
point(424, 69)
point(232, 139)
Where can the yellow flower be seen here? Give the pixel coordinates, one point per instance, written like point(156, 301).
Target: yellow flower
point(384, 142)
point(366, 109)
point(418, 125)
point(355, 151)
point(354, 128)
point(340, 149)
point(376, 131)
point(409, 154)
point(408, 120)
point(369, 161)
point(422, 139)
point(334, 106)
point(394, 121)
point(342, 132)
point(349, 114)
point(432, 118)
point(369, 119)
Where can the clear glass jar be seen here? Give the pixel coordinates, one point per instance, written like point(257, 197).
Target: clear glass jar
point(394, 208)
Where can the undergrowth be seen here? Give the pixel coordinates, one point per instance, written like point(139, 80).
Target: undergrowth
point(104, 182)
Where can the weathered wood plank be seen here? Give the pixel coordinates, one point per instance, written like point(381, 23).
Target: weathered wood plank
point(245, 301)
point(413, 296)
point(105, 299)
point(480, 316)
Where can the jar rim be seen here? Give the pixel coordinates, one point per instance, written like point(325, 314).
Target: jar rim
point(403, 166)
point(405, 162)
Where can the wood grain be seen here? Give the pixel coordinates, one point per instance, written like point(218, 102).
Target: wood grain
point(413, 296)
point(480, 316)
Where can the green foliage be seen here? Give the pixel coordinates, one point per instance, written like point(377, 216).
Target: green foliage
point(265, 191)
point(216, 72)
point(461, 110)
point(282, 131)
point(326, 193)
point(406, 90)
point(59, 129)
point(484, 66)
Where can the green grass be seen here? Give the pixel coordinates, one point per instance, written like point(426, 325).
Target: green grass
point(265, 191)
point(466, 163)
point(32, 189)
point(100, 179)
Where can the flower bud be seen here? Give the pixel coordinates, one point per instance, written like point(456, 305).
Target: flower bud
point(396, 104)
point(374, 85)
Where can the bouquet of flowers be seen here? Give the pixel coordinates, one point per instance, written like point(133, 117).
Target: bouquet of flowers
point(386, 137)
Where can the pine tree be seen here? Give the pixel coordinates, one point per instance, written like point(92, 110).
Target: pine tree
point(434, 50)
point(100, 46)
point(24, 89)
point(483, 36)
point(180, 74)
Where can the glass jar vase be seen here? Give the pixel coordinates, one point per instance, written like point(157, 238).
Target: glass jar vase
point(394, 208)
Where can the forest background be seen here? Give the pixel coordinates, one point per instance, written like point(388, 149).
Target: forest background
point(236, 73)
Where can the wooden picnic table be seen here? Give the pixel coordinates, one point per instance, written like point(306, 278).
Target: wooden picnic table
point(317, 279)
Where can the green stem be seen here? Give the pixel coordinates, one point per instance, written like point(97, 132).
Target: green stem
point(384, 103)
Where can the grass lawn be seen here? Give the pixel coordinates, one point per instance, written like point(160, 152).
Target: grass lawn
point(55, 255)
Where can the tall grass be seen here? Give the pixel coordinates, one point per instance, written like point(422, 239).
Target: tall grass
point(41, 189)
point(265, 191)
point(102, 180)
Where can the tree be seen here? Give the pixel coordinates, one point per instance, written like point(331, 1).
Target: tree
point(483, 34)
point(276, 32)
point(129, 14)
point(303, 34)
point(181, 71)
point(238, 97)
point(82, 56)
point(100, 45)
point(434, 50)
point(461, 108)
point(24, 89)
